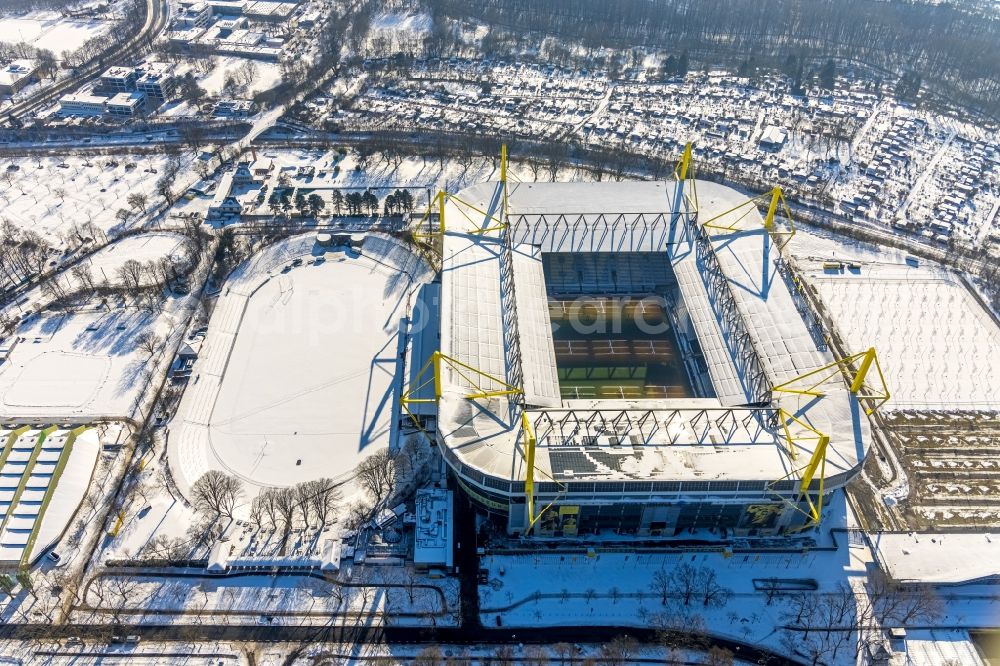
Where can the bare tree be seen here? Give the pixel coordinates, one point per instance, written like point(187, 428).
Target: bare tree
point(504, 656)
point(286, 504)
point(216, 493)
point(565, 652)
point(83, 276)
point(163, 547)
point(137, 201)
point(717, 656)
point(429, 656)
point(661, 584)
point(324, 499)
point(536, 655)
point(684, 581)
point(130, 274)
point(377, 474)
point(619, 651)
point(712, 594)
point(148, 342)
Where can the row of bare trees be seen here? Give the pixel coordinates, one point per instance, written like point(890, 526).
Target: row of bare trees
point(387, 476)
point(619, 651)
point(24, 253)
point(283, 508)
point(821, 625)
point(688, 584)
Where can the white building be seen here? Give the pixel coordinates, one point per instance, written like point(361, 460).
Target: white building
point(118, 79)
point(773, 138)
point(82, 104)
point(15, 76)
point(155, 82)
point(125, 104)
point(193, 15)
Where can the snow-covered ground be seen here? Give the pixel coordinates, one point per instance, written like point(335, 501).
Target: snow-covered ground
point(78, 366)
point(50, 30)
point(268, 75)
point(295, 380)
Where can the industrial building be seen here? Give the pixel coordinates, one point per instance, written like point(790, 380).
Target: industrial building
point(633, 357)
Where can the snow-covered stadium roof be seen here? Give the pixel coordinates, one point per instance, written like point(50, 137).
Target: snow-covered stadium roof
point(729, 437)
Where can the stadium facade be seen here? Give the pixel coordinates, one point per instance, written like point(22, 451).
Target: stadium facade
point(635, 357)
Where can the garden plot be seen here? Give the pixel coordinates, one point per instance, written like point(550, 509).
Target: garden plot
point(78, 366)
point(51, 194)
point(296, 379)
point(938, 347)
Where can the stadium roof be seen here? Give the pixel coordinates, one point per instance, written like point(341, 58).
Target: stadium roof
point(729, 437)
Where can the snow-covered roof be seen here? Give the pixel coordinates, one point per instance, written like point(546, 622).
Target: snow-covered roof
point(773, 135)
point(433, 540)
point(43, 479)
point(705, 439)
point(938, 558)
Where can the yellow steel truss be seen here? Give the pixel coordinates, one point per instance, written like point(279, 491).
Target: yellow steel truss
point(809, 384)
point(681, 169)
point(806, 473)
point(876, 396)
point(817, 462)
point(430, 375)
point(774, 198)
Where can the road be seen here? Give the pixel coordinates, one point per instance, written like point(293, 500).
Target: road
point(156, 19)
point(367, 634)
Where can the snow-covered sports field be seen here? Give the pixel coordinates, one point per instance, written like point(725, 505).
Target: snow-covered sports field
point(82, 366)
point(295, 379)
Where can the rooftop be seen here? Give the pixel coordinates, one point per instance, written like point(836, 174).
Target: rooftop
point(727, 437)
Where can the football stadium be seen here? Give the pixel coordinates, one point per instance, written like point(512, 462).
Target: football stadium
point(635, 358)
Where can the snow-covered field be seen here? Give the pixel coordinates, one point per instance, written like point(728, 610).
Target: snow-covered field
point(143, 248)
point(295, 380)
point(76, 366)
point(268, 75)
point(50, 30)
point(90, 363)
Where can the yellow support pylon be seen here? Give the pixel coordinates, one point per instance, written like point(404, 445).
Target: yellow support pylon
point(430, 375)
point(817, 463)
point(774, 198)
point(118, 524)
point(530, 442)
point(529, 476)
point(503, 178)
point(869, 358)
point(437, 201)
point(681, 170)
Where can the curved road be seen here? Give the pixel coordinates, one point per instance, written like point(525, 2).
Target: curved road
point(156, 19)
